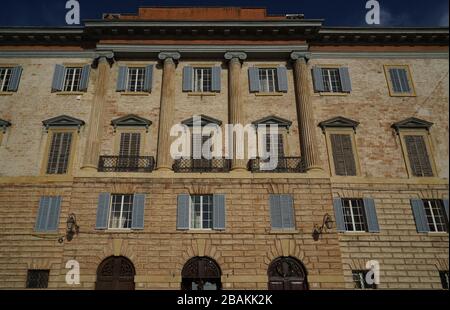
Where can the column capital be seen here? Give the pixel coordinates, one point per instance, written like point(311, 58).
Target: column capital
point(235, 55)
point(169, 55)
point(107, 56)
point(306, 56)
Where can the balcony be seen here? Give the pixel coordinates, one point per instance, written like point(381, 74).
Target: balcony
point(189, 165)
point(126, 164)
point(285, 165)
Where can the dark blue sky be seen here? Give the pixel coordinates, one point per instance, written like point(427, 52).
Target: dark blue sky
point(335, 12)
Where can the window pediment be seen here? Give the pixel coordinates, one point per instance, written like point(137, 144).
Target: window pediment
point(412, 123)
point(63, 121)
point(339, 122)
point(4, 124)
point(204, 120)
point(273, 120)
point(131, 121)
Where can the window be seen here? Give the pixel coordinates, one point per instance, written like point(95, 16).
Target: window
point(444, 279)
point(332, 80)
point(343, 156)
point(120, 215)
point(354, 215)
point(267, 80)
point(5, 77)
point(359, 280)
point(282, 212)
point(72, 77)
point(436, 217)
point(201, 212)
point(399, 81)
point(48, 214)
point(136, 78)
point(198, 141)
point(274, 143)
point(59, 153)
point(37, 278)
point(202, 80)
point(419, 158)
point(130, 144)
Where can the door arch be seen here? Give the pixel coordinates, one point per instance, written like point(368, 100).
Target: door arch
point(115, 273)
point(201, 273)
point(287, 273)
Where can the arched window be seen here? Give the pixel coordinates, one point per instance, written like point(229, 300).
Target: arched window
point(287, 273)
point(115, 273)
point(201, 274)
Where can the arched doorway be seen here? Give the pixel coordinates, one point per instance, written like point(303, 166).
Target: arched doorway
point(201, 274)
point(115, 273)
point(287, 273)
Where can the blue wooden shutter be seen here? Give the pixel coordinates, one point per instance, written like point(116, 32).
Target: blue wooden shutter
point(282, 79)
point(420, 216)
point(446, 207)
point(84, 82)
point(148, 81)
point(216, 82)
point(15, 79)
point(275, 212)
point(287, 212)
point(371, 215)
point(339, 214)
point(58, 78)
point(42, 215)
point(219, 212)
point(319, 85)
point(53, 214)
point(103, 211)
point(188, 84)
point(137, 218)
point(253, 76)
point(183, 212)
point(122, 79)
point(345, 79)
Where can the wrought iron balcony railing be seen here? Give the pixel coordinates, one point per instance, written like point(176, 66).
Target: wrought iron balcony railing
point(190, 165)
point(285, 165)
point(126, 164)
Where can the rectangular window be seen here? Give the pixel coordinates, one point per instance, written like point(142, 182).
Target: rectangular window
point(332, 80)
point(436, 217)
point(5, 77)
point(343, 156)
point(59, 153)
point(121, 210)
point(202, 80)
point(275, 142)
point(359, 280)
point(37, 278)
point(444, 279)
point(354, 215)
point(400, 82)
point(268, 80)
point(136, 79)
point(419, 158)
point(130, 144)
point(201, 212)
point(72, 78)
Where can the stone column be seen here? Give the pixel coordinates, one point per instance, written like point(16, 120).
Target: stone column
point(308, 140)
point(236, 112)
point(103, 64)
point(164, 160)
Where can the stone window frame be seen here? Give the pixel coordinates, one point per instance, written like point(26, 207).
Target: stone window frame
point(347, 131)
point(200, 65)
point(191, 204)
point(140, 64)
point(72, 65)
point(332, 66)
point(392, 93)
point(110, 206)
point(402, 132)
point(72, 155)
point(275, 93)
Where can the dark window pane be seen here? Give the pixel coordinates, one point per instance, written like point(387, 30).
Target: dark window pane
point(37, 278)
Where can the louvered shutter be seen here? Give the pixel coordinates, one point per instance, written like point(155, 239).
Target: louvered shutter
point(188, 82)
point(287, 212)
point(53, 214)
point(420, 215)
point(345, 79)
point(216, 82)
point(343, 157)
point(84, 81)
point(41, 220)
point(148, 79)
point(16, 74)
point(339, 214)
point(253, 73)
point(58, 78)
point(418, 156)
point(371, 215)
point(446, 208)
point(122, 79)
point(183, 212)
point(103, 211)
point(319, 85)
point(219, 212)
point(282, 79)
point(275, 211)
point(137, 219)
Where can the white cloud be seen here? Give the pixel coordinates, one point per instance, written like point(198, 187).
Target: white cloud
point(389, 19)
point(443, 21)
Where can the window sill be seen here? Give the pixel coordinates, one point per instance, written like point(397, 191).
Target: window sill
point(437, 234)
point(284, 231)
point(334, 94)
point(6, 93)
point(269, 94)
point(135, 94)
point(356, 233)
point(202, 94)
point(403, 95)
point(69, 93)
point(203, 231)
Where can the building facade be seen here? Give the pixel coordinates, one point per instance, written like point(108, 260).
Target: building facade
point(86, 172)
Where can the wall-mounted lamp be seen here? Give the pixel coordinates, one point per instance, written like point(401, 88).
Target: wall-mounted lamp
point(72, 228)
point(327, 224)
